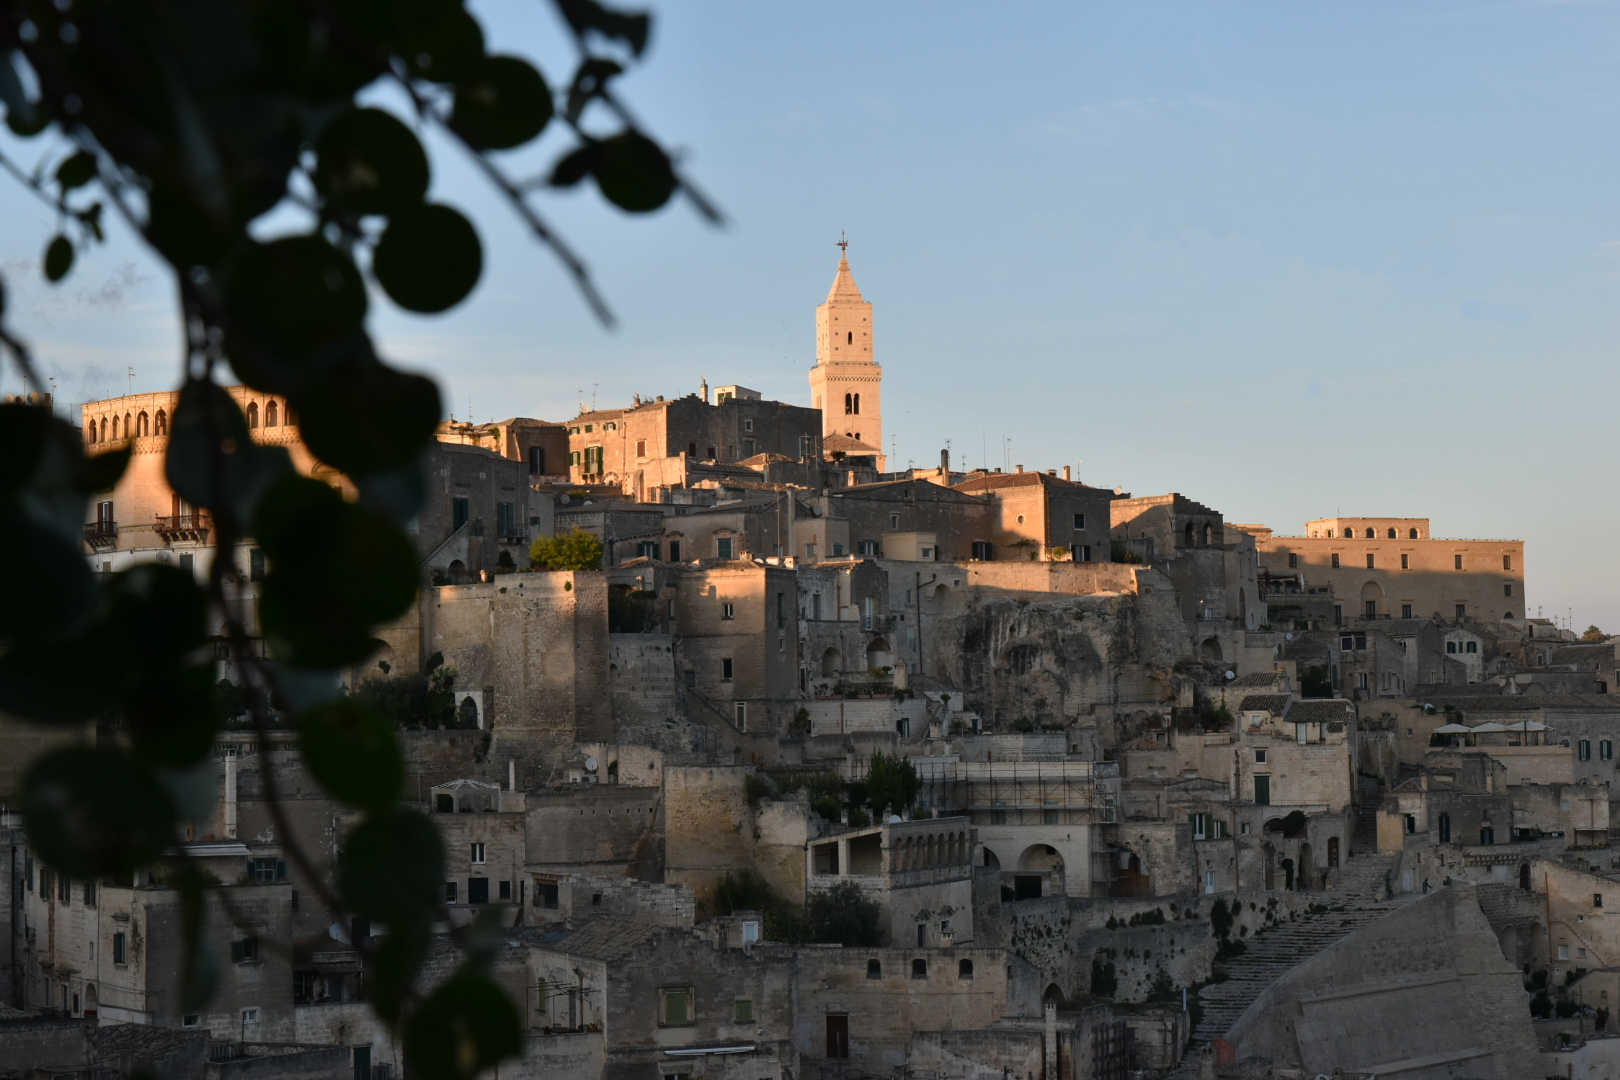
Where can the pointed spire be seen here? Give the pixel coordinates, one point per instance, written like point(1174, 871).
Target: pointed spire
point(844, 288)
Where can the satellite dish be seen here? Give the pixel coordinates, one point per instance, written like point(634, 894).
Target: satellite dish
point(1231, 674)
point(894, 819)
point(1288, 637)
point(590, 764)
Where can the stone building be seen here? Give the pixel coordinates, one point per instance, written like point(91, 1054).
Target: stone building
point(920, 872)
point(1394, 568)
point(1039, 516)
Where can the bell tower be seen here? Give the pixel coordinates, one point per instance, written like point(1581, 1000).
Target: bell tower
point(847, 384)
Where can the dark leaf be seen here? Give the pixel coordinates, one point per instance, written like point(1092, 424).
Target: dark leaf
point(160, 610)
point(368, 418)
point(575, 166)
point(93, 812)
point(172, 714)
point(392, 869)
point(429, 259)
point(393, 970)
point(370, 163)
point(351, 750)
point(212, 460)
point(589, 81)
point(23, 116)
point(316, 611)
point(58, 258)
point(47, 679)
point(183, 232)
point(630, 27)
point(634, 173)
point(76, 171)
point(505, 104)
point(440, 42)
point(396, 494)
point(288, 298)
point(466, 1026)
point(199, 969)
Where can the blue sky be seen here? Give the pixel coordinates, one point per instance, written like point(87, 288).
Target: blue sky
point(1289, 260)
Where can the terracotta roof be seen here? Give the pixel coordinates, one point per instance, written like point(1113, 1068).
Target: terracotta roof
point(763, 459)
point(1319, 710)
point(1275, 704)
point(1260, 678)
point(991, 481)
point(843, 443)
point(607, 938)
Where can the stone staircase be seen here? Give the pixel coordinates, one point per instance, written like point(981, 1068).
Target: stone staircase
point(1361, 892)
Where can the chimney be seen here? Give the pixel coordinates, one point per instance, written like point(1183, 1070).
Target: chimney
point(1066, 475)
point(945, 467)
point(703, 390)
point(1051, 472)
point(1018, 468)
point(511, 774)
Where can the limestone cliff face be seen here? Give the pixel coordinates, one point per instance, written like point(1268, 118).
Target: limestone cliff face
point(1052, 660)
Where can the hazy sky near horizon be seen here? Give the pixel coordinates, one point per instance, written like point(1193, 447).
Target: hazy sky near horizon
point(1288, 260)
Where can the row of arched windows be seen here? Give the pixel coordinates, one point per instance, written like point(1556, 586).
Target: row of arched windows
point(852, 404)
point(1191, 535)
point(128, 426)
point(1372, 534)
point(272, 414)
point(917, 852)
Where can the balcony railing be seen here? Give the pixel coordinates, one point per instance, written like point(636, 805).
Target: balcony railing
point(100, 534)
point(193, 526)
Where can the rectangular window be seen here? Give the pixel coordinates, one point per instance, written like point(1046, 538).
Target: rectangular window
point(1445, 828)
point(1406, 562)
point(838, 1035)
point(781, 611)
point(1079, 523)
point(477, 853)
point(674, 551)
point(506, 890)
point(1507, 588)
point(506, 519)
point(548, 895)
point(1563, 952)
point(1082, 552)
point(647, 549)
point(120, 948)
point(1293, 560)
point(1457, 561)
point(868, 616)
point(1473, 647)
point(1259, 757)
point(1583, 750)
point(741, 709)
point(1361, 680)
point(675, 1007)
point(748, 448)
point(460, 511)
point(641, 448)
point(1462, 611)
point(64, 888)
point(90, 894)
point(537, 460)
point(250, 1016)
point(745, 1012)
point(725, 669)
point(1487, 835)
point(983, 550)
point(1597, 899)
point(478, 890)
point(450, 889)
point(28, 871)
point(838, 551)
point(187, 564)
point(255, 564)
point(1606, 749)
point(722, 547)
point(1335, 562)
point(728, 611)
point(245, 950)
point(1371, 565)
point(1371, 607)
point(868, 548)
point(1406, 611)
point(1338, 614)
point(894, 522)
point(1507, 562)
point(1200, 826)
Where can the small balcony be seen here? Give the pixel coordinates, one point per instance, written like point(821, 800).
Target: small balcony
point(192, 527)
point(101, 534)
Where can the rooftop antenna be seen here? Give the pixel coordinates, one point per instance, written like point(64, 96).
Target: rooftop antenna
point(131, 380)
point(1078, 462)
point(594, 385)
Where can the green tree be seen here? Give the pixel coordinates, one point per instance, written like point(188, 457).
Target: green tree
point(189, 123)
point(843, 914)
point(1594, 634)
point(575, 550)
point(891, 782)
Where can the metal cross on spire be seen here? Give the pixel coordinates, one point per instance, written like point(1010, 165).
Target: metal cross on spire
point(843, 244)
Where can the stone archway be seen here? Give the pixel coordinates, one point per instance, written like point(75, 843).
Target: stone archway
point(1307, 868)
point(1211, 649)
point(829, 664)
point(1372, 599)
point(877, 655)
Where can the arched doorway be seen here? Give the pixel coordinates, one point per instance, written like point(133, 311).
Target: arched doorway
point(1054, 994)
point(467, 712)
point(1211, 649)
point(1333, 853)
point(1040, 857)
point(829, 664)
point(1126, 874)
point(90, 1003)
point(877, 655)
point(1307, 868)
point(1288, 875)
point(1524, 877)
point(991, 859)
point(1372, 599)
